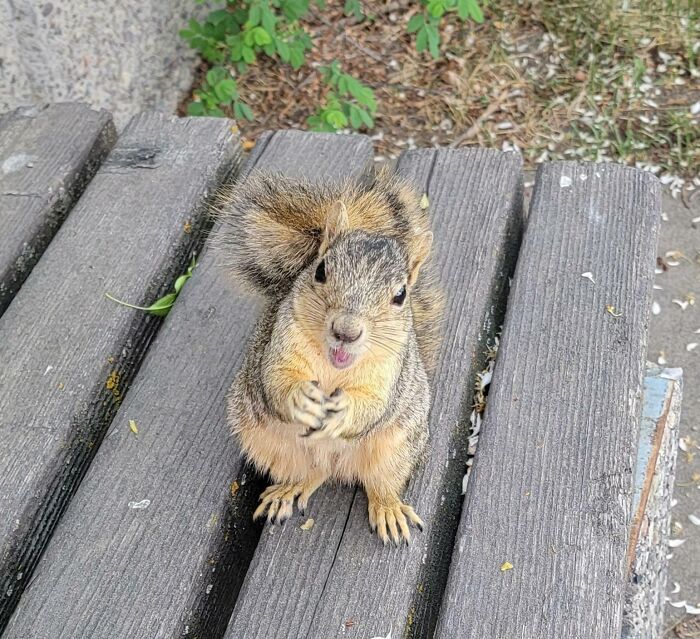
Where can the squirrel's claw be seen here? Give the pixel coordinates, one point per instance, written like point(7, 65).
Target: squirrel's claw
point(391, 521)
point(278, 500)
point(307, 405)
point(335, 421)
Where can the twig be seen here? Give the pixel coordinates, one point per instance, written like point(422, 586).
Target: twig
point(365, 50)
point(474, 128)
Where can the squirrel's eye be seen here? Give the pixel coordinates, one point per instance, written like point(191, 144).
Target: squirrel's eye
point(320, 275)
point(399, 298)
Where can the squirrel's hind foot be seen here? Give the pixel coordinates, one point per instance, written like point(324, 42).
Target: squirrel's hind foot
point(278, 500)
point(395, 517)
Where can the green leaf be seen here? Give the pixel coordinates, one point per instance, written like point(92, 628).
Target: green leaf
point(216, 75)
point(296, 58)
point(294, 9)
point(248, 54)
point(242, 110)
point(436, 8)
point(180, 281)
point(261, 37)
point(355, 117)
point(283, 50)
point(463, 9)
point(254, 15)
point(195, 108)
point(354, 8)
point(226, 90)
point(269, 21)
point(217, 17)
point(422, 39)
point(433, 40)
point(415, 23)
point(336, 119)
point(367, 119)
point(475, 11)
point(162, 306)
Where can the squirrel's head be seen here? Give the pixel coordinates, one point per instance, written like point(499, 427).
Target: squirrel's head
point(354, 298)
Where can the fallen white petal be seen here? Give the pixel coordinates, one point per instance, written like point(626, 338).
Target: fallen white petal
point(658, 288)
point(694, 519)
point(683, 444)
point(139, 505)
point(674, 503)
point(564, 181)
point(674, 543)
point(588, 276)
point(691, 347)
point(683, 304)
point(676, 588)
point(661, 361)
point(698, 331)
point(465, 481)
point(655, 308)
point(692, 610)
point(387, 637)
point(677, 604)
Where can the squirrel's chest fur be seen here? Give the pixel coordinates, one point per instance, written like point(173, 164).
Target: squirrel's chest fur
point(278, 447)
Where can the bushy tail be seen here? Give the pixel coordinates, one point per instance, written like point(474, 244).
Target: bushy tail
point(271, 229)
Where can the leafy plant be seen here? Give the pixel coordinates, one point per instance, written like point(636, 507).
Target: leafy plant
point(237, 35)
point(353, 8)
point(347, 101)
point(426, 25)
point(161, 307)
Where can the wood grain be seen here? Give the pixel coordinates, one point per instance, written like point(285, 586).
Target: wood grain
point(47, 156)
point(337, 580)
point(67, 353)
point(551, 486)
point(174, 568)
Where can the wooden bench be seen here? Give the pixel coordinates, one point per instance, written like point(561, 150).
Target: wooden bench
point(117, 465)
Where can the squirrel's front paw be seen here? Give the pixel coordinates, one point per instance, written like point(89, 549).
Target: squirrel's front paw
point(307, 405)
point(336, 419)
point(394, 515)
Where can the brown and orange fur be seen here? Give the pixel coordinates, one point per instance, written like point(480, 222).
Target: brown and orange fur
point(334, 260)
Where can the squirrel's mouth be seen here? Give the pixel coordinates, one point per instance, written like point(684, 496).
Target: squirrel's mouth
point(340, 358)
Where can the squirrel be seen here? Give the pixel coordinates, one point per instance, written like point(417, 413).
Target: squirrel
point(335, 382)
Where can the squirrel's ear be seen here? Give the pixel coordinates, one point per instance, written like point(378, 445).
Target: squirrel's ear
point(336, 223)
point(419, 253)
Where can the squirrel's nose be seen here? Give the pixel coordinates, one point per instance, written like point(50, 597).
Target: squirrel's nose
point(346, 332)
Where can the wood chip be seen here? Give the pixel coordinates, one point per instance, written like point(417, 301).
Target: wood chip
point(424, 202)
point(134, 428)
point(308, 525)
point(506, 565)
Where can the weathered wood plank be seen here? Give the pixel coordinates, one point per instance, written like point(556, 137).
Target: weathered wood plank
point(173, 568)
point(68, 354)
point(337, 580)
point(551, 486)
point(47, 156)
point(651, 504)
